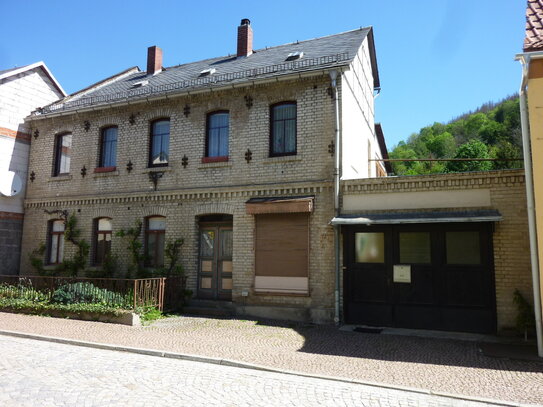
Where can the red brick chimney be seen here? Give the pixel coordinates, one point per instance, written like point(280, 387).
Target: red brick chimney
point(245, 38)
point(154, 60)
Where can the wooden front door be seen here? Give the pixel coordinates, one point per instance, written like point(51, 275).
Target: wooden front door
point(215, 262)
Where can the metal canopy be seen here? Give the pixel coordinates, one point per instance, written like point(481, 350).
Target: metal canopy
point(417, 217)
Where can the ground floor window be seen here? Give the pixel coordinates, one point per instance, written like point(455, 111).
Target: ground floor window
point(155, 232)
point(282, 252)
point(102, 240)
point(56, 241)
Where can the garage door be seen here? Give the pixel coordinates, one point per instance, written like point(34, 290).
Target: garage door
point(424, 276)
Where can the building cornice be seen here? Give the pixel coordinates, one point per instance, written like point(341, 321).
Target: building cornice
point(228, 192)
point(434, 181)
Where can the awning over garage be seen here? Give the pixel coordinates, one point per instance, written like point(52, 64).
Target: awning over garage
point(417, 217)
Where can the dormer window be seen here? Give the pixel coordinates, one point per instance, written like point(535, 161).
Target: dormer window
point(293, 56)
point(207, 72)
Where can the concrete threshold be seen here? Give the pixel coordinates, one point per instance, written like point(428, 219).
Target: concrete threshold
point(422, 333)
point(245, 365)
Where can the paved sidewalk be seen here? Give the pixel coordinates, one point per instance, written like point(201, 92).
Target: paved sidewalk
point(38, 373)
point(438, 365)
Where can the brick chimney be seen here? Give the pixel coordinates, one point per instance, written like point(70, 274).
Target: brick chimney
point(245, 38)
point(154, 60)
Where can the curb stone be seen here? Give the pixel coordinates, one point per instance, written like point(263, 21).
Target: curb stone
point(245, 365)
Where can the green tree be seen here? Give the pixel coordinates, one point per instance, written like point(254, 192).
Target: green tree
point(442, 145)
point(471, 149)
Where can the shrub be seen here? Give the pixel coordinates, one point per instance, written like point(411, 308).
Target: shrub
point(86, 293)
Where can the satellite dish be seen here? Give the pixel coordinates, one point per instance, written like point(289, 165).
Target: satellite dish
point(10, 183)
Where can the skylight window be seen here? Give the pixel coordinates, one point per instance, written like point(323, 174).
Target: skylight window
point(207, 72)
point(141, 84)
point(293, 56)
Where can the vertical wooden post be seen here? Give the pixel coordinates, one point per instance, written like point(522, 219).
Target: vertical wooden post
point(135, 288)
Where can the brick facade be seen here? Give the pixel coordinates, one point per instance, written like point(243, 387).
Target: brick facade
point(184, 193)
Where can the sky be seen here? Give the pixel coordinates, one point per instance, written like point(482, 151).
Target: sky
point(436, 58)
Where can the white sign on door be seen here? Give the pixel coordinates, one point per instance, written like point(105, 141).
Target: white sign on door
point(402, 273)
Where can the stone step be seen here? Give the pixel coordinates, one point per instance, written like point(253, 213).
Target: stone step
point(205, 311)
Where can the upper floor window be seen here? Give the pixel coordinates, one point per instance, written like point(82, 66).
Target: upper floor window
point(283, 129)
point(217, 135)
point(56, 241)
point(63, 150)
point(102, 240)
point(160, 143)
point(108, 147)
point(155, 232)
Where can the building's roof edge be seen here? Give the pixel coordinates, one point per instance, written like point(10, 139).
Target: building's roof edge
point(382, 146)
point(40, 64)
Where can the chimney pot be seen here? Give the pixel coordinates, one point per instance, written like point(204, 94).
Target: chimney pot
point(245, 38)
point(154, 60)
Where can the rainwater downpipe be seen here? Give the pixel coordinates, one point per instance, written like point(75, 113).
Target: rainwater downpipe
point(525, 61)
point(337, 150)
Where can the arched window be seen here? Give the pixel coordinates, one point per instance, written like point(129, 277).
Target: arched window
point(63, 150)
point(108, 147)
point(283, 129)
point(160, 143)
point(217, 134)
point(55, 242)
point(155, 232)
point(102, 240)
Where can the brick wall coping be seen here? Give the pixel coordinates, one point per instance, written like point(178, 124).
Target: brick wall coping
point(297, 188)
point(434, 181)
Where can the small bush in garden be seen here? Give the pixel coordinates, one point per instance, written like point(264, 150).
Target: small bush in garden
point(86, 293)
point(149, 314)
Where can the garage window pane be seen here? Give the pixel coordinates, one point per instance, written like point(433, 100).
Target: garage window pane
point(463, 248)
point(415, 247)
point(370, 247)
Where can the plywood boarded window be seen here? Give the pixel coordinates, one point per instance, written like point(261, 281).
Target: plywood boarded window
point(282, 253)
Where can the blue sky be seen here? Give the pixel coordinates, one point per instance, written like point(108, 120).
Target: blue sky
point(437, 59)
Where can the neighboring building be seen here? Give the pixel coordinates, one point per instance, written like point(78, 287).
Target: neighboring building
point(234, 154)
point(22, 90)
point(532, 128)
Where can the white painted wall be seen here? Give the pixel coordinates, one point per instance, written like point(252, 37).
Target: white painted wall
point(19, 96)
point(357, 118)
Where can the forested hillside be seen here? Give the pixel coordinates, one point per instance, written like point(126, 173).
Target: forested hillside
point(491, 131)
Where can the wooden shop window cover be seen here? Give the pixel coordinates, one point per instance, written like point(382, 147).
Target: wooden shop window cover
point(282, 253)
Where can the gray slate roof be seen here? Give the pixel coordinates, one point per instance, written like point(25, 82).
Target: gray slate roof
point(319, 53)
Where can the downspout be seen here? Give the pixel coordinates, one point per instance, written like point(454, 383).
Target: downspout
point(525, 61)
point(337, 174)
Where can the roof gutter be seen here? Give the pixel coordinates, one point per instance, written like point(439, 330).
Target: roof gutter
point(149, 98)
point(525, 61)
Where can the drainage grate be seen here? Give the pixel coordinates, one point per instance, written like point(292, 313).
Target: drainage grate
point(367, 330)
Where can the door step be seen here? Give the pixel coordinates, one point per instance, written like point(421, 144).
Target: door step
point(209, 308)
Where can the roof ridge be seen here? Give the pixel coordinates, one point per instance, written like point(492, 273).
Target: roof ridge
point(273, 47)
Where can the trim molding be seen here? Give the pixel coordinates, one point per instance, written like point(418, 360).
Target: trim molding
point(177, 195)
point(19, 136)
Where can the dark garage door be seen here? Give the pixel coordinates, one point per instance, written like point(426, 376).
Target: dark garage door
point(424, 276)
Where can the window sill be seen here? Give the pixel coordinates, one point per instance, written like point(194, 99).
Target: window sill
point(224, 163)
point(104, 169)
point(61, 177)
point(263, 293)
point(221, 159)
point(282, 159)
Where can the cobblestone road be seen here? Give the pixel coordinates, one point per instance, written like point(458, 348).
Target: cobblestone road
point(36, 373)
point(438, 365)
